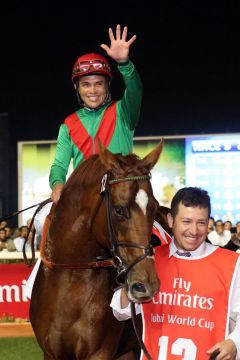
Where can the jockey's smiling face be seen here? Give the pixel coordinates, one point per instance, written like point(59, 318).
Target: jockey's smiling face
point(93, 90)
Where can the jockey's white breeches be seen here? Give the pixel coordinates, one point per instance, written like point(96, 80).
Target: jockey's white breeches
point(38, 224)
point(41, 216)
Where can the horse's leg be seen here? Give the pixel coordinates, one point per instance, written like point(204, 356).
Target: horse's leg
point(128, 343)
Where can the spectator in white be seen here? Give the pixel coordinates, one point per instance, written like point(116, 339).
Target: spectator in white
point(211, 224)
point(227, 225)
point(6, 241)
point(19, 241)
point(219, 236)
point(9, 232)
point(237, 225)
point(37, 238)
point(234, 243)
point(3, 238)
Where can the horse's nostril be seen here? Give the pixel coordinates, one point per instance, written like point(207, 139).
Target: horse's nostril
point(139, 287)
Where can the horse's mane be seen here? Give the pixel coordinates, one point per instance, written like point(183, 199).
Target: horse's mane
point(92, 169)
point(87, 172)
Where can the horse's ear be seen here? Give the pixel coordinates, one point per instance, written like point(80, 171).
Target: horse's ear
point(107, 157)
point(151, 159)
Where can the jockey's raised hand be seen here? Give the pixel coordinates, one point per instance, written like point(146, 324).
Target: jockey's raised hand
point(119, 47)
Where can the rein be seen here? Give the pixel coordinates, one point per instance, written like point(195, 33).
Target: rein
point(20, 211)
point(40, 205)
point(141, 343)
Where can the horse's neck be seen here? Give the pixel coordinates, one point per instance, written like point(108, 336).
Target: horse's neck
point(71, 233)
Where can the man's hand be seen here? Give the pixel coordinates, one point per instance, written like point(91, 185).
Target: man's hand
point(226, 350)
point(119, 47)
point(56, 192)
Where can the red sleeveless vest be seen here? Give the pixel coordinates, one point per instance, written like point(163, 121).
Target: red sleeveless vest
point(190, 313)
point(161, 233)
point(81, 137)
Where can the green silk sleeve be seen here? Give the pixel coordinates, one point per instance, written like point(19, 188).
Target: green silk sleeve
point(62, 158)
point(130, 104)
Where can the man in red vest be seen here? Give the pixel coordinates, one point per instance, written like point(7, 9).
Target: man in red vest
point(196, 312)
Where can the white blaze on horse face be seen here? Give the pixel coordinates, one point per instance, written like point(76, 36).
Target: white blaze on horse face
point(142, 200)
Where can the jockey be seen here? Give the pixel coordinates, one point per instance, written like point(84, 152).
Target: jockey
point(113, 122)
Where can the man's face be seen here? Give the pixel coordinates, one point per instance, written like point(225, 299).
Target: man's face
point(190, 226)
point(210, 225)
point(93, 90)
point(24, 231)
point(8, 231)
point(219, 227)
point(227, 225)
point(238, 228)
point(2, 235)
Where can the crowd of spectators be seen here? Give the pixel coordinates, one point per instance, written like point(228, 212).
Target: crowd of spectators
point(220, 233)
point(224, 234)
point(12, 239)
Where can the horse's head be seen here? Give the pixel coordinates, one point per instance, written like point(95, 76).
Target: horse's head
point(131, 209)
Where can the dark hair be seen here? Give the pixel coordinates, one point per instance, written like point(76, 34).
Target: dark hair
point(190, 197)
point(23, 227)
point(227, 221)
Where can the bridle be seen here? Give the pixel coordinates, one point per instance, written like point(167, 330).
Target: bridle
point(120, 265)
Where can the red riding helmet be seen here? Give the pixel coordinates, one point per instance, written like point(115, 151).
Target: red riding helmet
point(90, 64)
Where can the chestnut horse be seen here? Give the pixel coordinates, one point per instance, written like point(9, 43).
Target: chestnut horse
point(69, 309)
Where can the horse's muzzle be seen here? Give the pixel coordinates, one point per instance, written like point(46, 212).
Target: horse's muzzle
point(141, 292)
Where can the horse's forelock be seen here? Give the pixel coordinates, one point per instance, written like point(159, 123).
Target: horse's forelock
point(131, 165)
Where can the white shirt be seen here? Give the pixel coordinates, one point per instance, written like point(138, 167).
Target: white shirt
point(220, 240)
point(19, 242)
point(234, 314)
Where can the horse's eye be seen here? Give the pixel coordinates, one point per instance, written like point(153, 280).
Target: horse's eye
point(121, 211)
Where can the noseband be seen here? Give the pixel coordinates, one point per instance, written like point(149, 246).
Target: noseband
point(121, 266)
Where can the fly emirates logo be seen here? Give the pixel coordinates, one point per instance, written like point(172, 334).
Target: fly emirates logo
point(13, 293)
point(181, 296)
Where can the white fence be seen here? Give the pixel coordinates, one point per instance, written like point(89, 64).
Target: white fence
point(5, 255)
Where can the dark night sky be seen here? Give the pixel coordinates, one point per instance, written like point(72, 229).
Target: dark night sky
point(186, 52)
